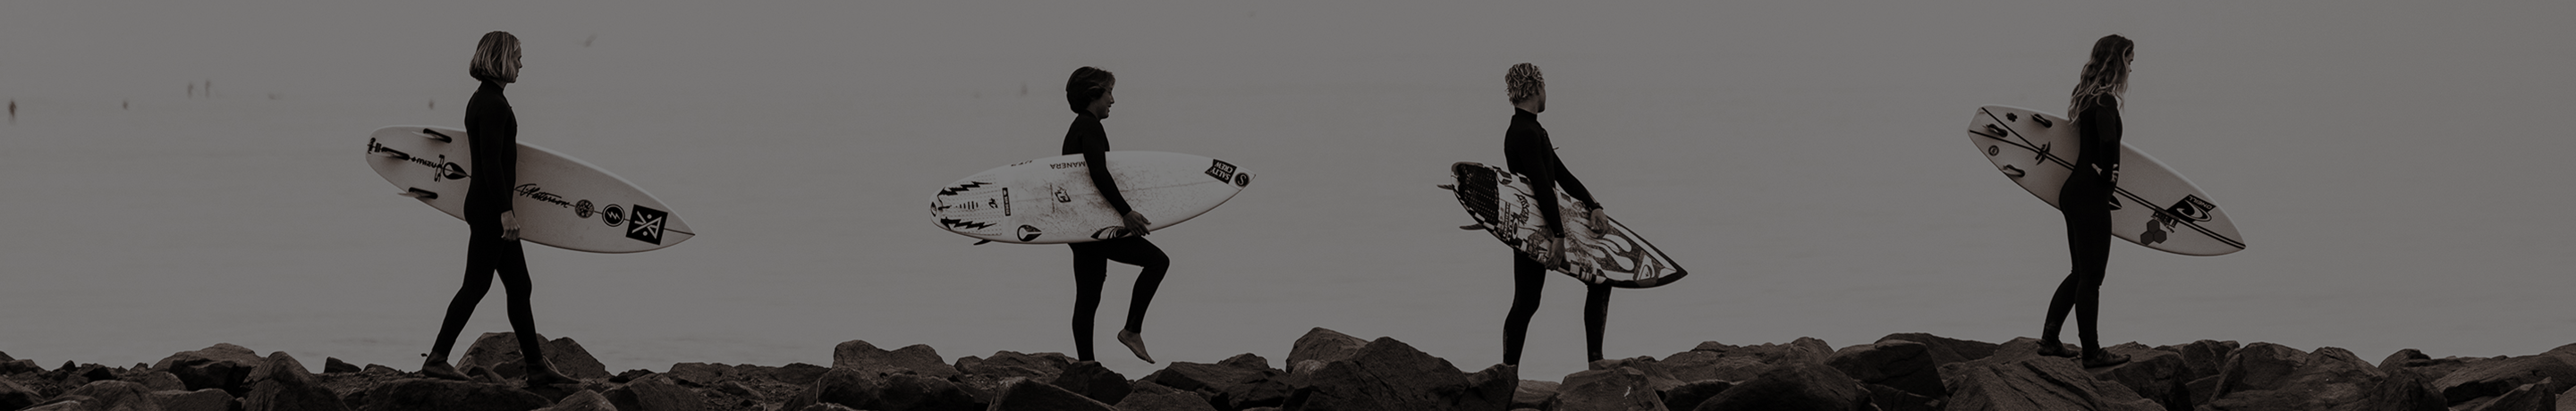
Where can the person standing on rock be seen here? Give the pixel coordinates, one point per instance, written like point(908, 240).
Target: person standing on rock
point(494, 248)
point(2085, 199)
point(1527, 151)
point(1088, 91)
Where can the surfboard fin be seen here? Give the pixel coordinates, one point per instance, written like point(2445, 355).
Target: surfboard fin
point(1472, 227)
point(982, 242)
point(1448, 187)
point(419, 194)
point(435, 135)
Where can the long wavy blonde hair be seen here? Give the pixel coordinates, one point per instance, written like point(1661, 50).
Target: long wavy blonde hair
point(492, 58)
point(2106, 73)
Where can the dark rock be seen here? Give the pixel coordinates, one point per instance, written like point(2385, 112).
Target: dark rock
point(1538, 394)
point(1690, 395)
point(495, 350)
point(796, 373)
point(1793, 387)
point(1656, 375)
point(2259, 367)
point(1148, 396)
point(2492, 378)
point(2014, 380)
point(2399, 391)
point(1897, 399)
point(1092, 380)
point(200, 400)
point(2405, 358)
point(333, 365)
point(380, 370)
point(2202, 390)
point(2564, 352)
point(2328, 379)
point(2528, 397)
point(1385, 374)
point(95, 372)
point(2566, 400)
point(1716, 361)
point(113, 395)
point(2158, 375)
point(860, 355)
point(67, 403)
point(1031, 395)
point(282, 384)
point(735, 388)
point(159, 381)
point(922, 392)
point(826, 407)
point(1946, 350)
point(1324, 345)
point(19, 366)
point(422, 394)
point(846, 386)
point(1005, 364)
point(630, 375)
point(582, 401)
point(1248, 361)
point(1906, 365)
point(654, 393)
point(1264, 392)
point(222, 366)
point(1622, 389)
point(1201, 378)
point(698, 374)
point(14, 396)
point(2202, 358)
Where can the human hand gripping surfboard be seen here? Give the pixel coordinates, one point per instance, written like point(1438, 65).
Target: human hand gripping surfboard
point(1052, 200)
point(1500, 202)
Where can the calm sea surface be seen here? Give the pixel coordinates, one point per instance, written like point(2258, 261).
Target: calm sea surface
point(2396, 171)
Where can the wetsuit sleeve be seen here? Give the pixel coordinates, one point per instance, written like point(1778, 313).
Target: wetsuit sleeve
point(2102, 128)
point(1095, 156)
point(1565, 181)
point(493, 131)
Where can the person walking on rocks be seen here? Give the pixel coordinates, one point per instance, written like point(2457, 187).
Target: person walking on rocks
point(2085, 199)
point(494, 247)
point(1088, 91)
point(1528, 152)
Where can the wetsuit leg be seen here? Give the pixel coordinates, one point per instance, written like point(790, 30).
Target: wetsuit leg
point(1138, 252)
point(1090, 269)
point(481, 254)
point(2091, 245)
point(1528, 277)
point(1596, 312)
point(512, 265)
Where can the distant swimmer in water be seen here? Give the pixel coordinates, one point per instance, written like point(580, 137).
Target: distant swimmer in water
point(1528, 152)
point(2085, 199)
point(494, 247)
point(1088, 91)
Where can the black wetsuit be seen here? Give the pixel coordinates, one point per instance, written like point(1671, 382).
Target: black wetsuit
point(493, 133)
point(1091, 259)
point(2085, 200)
point(1526, 151)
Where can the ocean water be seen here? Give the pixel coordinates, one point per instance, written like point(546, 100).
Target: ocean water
point(2393, 167)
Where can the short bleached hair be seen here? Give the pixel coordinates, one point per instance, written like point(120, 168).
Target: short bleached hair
point(1523, 82)
point(492, 58)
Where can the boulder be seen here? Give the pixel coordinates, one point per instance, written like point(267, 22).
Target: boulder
point(922, 392)
point(2158, 375)
point(2400, 391)
point(494, 350)
point(2203, 358)
point(14, 396)
point(2495, 377)
point(1201, 378)
point(1799, 386)
point(1535, 394)
point(2567, 400)
point(113, 395)
point(1621, 389)
point(1324, 345)
point(1251, 362)
point(159, 381)
point(1656, 376)
point(19, 366)
point(1946, 350)
point(921, 359)
point(653, 393)
point(1030, 395)
point(1094, 381)
point(200, 400)
point(698, 374)
point(2328, 379)
point(282, 384)
point(2022, 382)
point(2258, 367)
point(1897, 399)
point(2405, 358)
point(1263, 392)
point(380, 370)
point(1690, 394)
point(1717, 361)
point(1906, 365)
point(333, 365)
point(1148, 396)
point(222, 366)
point(826, 407)
point(582, 401)
point(1385, 374)
point(1006, 364)
point(845, 386)
point(66, 403)
point(795, 373)
point(423, 394)
point(2528, 397)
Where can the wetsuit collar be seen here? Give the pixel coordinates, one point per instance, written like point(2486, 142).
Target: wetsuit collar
point(1517, 113)
point(491, 86)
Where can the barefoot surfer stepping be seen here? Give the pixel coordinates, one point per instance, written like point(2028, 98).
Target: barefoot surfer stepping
point(2085, 199)
point(494, 247)
point(1088, 92)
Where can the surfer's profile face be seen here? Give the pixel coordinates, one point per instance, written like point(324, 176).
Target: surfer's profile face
point(1100, 107)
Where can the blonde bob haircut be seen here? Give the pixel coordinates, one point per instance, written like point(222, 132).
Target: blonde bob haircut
point(492, 58)
point(1523, 82)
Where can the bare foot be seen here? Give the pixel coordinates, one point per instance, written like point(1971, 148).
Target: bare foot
point(1135, 343)
point(436, 367)
point(541, 374)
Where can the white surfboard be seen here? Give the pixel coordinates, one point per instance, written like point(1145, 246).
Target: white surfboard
point(1052, 200)
point(2153, 206)
point(560, 201)
point(1500, 202)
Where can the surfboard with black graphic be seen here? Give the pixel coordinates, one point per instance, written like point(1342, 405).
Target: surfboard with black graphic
point(1052, 200)
point(2152, 206)
point(1501, 203)
point(560, 201)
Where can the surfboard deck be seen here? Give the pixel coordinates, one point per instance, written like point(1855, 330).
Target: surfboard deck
point(2153, 206)
point(560, 201)
point(1053, 201)
point(1500, 202)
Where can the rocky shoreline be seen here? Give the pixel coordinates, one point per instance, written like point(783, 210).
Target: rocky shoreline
point(1327, 370)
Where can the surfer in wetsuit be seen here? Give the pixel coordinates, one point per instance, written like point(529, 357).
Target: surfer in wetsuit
point(1088, 93)
point(2085, 199)
point(492, 133)
point(1526, 151)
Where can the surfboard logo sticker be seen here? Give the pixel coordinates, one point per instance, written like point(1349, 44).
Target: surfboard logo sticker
point(612, 215)
point(1029, 233)
point(581, 209)
point(958, 224)
point(648, 224)
point(1219, 169)
point(1244, 179)
point(960, 188)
